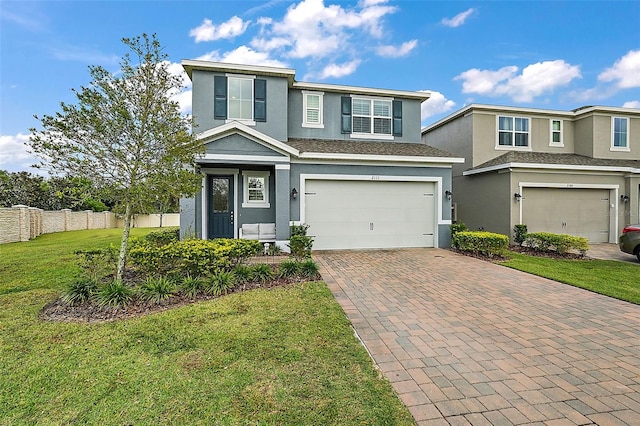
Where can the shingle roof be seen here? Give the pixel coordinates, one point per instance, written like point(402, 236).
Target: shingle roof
point(367, 148)
point(559, 159)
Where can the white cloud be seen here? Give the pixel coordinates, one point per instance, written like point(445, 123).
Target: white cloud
point(339, 70)
point(625, 72)
point(631, 104)
point(535, 80)
point(459, 19)
point(208, 31)
point(397, 51)
point(436, 104)
point(14, 156)
point(183, 96)
point(310, 29)
point(243, 55)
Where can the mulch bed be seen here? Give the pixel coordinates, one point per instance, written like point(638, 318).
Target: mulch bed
point(87, 312)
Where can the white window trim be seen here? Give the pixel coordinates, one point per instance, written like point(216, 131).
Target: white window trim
point(551, 131)
point(613, 129)
point(245, 190)
point(251, 121)
point(512, 147)
point(319, 125)
point(372, 135)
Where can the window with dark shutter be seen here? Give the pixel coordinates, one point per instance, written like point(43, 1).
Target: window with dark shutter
point(346, 114)
point(260, 100)
point(397, 118)
point(220, 97)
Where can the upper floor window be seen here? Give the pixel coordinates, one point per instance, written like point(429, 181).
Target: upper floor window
point(240, 97)
point(371, 118)
point(513, 131)
point(620, 138)
point(312, 109)
point(256, 189)
point(556, 133)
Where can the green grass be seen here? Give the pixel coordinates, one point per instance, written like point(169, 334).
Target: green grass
point(611, 278)
point(267, 357)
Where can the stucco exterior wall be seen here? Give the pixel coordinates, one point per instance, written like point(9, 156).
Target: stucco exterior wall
point(202, 104)
point(454, 137)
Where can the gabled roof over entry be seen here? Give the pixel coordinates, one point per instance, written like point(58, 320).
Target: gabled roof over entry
point(544, 160)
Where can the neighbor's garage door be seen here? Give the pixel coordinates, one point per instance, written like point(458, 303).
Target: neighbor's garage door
point(579, 212)
point(370, 214)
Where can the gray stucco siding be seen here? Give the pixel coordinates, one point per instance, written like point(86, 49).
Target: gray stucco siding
point(332, 119)
point(202, 105)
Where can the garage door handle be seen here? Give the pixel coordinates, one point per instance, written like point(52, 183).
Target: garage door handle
point(370, 226)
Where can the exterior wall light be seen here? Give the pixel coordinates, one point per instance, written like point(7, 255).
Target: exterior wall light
point(517, 196)
point(624, 198)
point(448, 194)
point(294, 193)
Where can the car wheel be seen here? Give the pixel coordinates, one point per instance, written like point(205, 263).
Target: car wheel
point(638, 256)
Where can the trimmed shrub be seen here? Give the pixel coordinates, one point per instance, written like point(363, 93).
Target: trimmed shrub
point(481, 242)
point(519, 233)
point(157, 289)
point(454, 228)
point(560, 243)
point(114, 294)
point(79, 291)
point(163, 237)
point(300, 246)
point(195, 257)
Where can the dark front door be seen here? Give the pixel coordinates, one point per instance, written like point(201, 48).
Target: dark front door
point(221, 207)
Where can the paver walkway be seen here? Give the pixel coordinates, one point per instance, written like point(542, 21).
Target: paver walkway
point(464, 341)
point(608, 251)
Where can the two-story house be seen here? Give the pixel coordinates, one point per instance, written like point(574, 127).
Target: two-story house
point(571, 172)
point(347, 161)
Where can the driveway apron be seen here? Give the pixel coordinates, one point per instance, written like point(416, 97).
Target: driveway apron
point(464, 341)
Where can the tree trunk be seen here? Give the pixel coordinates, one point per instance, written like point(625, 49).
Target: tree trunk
point(124, 242)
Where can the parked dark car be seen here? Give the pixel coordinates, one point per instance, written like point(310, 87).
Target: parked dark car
point(630, 240)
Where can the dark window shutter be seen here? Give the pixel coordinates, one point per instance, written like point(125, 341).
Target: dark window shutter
point(220, 97)
point(397, 118)
point(260, 100)
point(346, 114)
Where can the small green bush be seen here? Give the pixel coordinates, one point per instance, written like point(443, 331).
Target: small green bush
point(481, 242)
point(220, 282)
point(454, 228)
point(97, 263)
point(300, 246)
point(299, 229)
point(261, 273)
point(273, 250)
point(519, 233)
point(560, 243)
point(289, 269)
point(114, 294)
point(191, 286)
point(309, 269)
point(243, 273)
point(163, 237)
point(157, 289)
point(79, 291)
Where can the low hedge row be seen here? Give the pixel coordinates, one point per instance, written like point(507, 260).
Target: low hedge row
point(194, 257)
point(560, 243)
point(481, 242)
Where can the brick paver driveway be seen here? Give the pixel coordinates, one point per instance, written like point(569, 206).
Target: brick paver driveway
point(468, 342)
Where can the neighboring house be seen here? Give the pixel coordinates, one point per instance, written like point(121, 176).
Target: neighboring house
point(347, 161)
point(571, 172)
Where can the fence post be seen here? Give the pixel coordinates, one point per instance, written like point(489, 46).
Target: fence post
point(24, 222)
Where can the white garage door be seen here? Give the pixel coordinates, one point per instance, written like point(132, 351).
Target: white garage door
point(370, 214)
point(579, 212)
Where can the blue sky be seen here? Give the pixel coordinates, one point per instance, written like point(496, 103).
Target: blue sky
point(541, 54)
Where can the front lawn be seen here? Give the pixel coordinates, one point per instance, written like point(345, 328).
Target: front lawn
point(615, 279)
point(286, 355)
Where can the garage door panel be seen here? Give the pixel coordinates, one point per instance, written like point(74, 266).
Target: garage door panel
point(579, 211)
point(370, 214)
